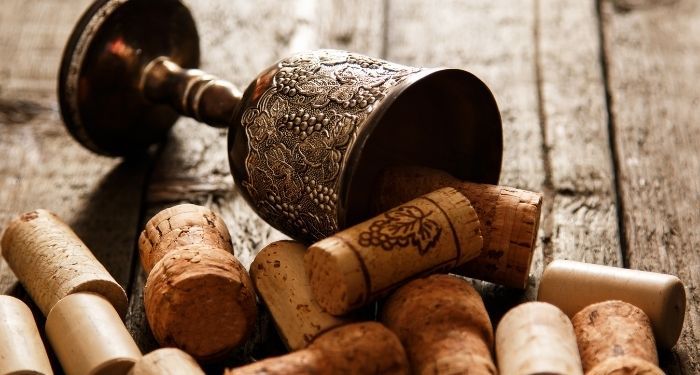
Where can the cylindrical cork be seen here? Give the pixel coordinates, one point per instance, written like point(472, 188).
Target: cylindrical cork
point(88, 336)
point(571, 286)
point(201, 300)
point(51, 262)
point(509, 220)
point(166, 361)
point(359, 348)
point(198, 296)
point(611, 334)
point(181, 225)
point(537, 338)
point(443, 324)
point(280, 279)
point(435, 232)
point(21, 348)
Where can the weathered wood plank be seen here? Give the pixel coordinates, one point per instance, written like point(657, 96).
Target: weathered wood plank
point(32, 39)
point(582, 217)
point(43, 167)
point(495, 41)
point(653, 54)
point(239, 39)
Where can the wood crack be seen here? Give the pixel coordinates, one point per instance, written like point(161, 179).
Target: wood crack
point(548, 186)
point(612, 136)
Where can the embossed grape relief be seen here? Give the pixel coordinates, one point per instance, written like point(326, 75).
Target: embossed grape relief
point(401, 227)
point(301, 130)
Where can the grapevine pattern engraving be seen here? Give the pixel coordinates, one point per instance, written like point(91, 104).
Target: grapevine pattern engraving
point(401, 227)
point(299, 133)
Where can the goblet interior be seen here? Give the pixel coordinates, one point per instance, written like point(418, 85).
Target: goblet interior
point(446, 119)
point(98, 86)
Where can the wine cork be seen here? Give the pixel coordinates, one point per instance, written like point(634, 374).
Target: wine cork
point(88, 336)
point(21, 348)
point(280, 279)
point(437, 231)
point(166, 361)
point(51, 262)
point(615, 337)
point(360, 348)
point(571, 286)
point(537, 338)
point(181, 225)
point(509, 220)
point(198, 297)
point(442, 322)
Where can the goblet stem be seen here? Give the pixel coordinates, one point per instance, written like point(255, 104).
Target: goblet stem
point(191, 92)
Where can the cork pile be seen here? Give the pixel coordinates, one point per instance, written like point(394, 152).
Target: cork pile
point(200, 302)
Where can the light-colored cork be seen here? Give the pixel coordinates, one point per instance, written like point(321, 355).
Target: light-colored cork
point(509, 220)
point(89, 338)
point(280, 279)
point(166, 361)
point(437, 231)
point(613, 329)
point(443, 324)
point(21, 348)
point(200, 299)
point(571, 286)
point(181, 225)
point(537, 338)
point(361, 348)
point(51, 262)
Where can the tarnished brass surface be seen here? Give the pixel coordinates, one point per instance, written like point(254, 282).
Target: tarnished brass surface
point(308, 137)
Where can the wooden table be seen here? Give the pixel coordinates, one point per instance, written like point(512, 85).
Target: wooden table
point(598, 99)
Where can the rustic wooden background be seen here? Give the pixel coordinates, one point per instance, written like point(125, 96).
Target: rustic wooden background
point(598, 99)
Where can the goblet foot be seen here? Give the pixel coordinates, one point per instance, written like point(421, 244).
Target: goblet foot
point(99, 85)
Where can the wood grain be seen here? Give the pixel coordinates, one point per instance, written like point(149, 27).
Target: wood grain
point(239, 39)
point(42, 166)
point(495, 41)
point(582, 224)
point(653, 54)
point(193, 162)
point(541, 59)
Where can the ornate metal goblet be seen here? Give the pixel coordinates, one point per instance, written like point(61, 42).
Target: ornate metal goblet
point(308, 136)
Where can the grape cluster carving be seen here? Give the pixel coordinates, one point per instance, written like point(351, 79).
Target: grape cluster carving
point(299, 132)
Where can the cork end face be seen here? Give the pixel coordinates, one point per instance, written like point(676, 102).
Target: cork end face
point(200, 300)
point(437, 300)
point(625, 365)
point(537, 338)
point(613, 329)
point(115, 366)
point(363, 348)
point(108, 289)
point(335, 275)
point(442, 322)
point(675, 301)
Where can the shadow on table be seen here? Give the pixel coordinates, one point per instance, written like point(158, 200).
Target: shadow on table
point(109, 222)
